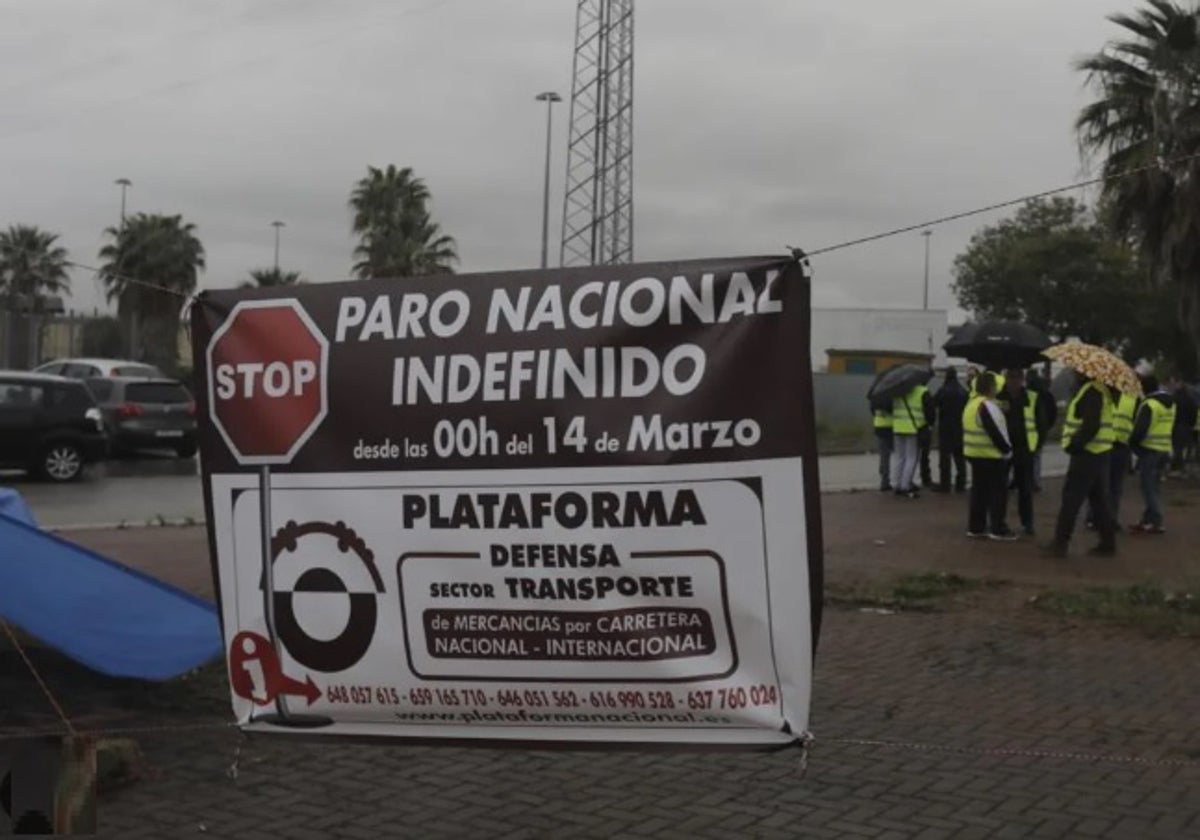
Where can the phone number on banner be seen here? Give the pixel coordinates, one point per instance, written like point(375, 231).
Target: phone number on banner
point(731, 698)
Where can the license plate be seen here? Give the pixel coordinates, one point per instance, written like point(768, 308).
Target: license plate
point(168, 434)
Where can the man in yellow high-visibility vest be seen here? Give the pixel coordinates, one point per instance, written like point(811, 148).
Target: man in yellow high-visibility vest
point(908, 420)
point(1152, 440)
point(987, 446)
point(1124, 408)
point(1088, 438)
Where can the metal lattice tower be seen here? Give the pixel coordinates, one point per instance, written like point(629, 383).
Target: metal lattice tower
point(598, 205)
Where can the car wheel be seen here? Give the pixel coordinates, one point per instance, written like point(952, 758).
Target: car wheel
point(186, 450)
point(62, 462)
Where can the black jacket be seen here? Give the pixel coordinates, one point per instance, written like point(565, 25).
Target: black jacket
point(1014, 415)
point(1185, 410)
point(1047, 412)
point(949, 404)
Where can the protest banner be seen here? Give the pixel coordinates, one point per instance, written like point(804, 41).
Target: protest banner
point(577, 505)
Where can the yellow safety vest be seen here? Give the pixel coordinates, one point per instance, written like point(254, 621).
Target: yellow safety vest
point(883, 419)
point(1001, 380)
point(1103, 441)
point(1162, 426)
point(1123, 418)
point(1031, 429)
point(908, 412)
point(977, 443)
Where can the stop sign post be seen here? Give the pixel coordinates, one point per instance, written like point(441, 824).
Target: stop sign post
point(268, 391)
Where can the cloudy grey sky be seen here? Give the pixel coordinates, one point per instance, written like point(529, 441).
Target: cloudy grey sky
point(758, 123)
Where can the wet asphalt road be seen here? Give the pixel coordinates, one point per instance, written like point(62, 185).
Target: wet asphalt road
point(160, 490)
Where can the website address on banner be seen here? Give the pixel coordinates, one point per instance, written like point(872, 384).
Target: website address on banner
point(523, 716)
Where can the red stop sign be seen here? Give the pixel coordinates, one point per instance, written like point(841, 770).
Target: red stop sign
point(267, 380)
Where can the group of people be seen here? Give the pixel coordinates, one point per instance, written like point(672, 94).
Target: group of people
point(905, 430)
point(999, 423)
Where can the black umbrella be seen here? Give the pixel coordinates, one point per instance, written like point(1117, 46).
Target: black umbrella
point(897, 381)
point(998, 345)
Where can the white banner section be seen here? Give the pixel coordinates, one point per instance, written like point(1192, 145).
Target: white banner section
point(639, 604)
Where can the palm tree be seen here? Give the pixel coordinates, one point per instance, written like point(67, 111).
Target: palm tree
point(396, 235)
point(262, 278)
point(31, 263)
point(1147, 117)
point(32, 266)
point(150, 267)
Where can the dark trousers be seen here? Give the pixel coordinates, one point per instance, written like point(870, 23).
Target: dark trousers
point(1022, 479)
point(1118, 468)
point(950, 453)
point(988, 506)
point(1088, 480)
point(925, 441)
point(1151, 466)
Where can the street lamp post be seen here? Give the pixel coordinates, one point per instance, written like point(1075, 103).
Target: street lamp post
point(125, 184)
point(549, 97)
point(277, 225)
point(926, 234)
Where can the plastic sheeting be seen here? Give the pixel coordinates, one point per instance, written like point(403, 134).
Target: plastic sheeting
point(14, 507)
point(106, 616)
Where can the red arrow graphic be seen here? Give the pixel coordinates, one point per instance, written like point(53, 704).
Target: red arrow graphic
point(251, 649)
point(307, 689)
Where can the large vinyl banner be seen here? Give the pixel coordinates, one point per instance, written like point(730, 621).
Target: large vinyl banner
point(576, 505)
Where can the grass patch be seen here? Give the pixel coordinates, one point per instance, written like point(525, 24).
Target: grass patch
point(83, 693)
point(1145, 606)
point(919, 592)
point(842, 438)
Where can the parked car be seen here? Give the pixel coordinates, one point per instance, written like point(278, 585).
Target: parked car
point(90, 368)
point(49, 425)
point(154, 413)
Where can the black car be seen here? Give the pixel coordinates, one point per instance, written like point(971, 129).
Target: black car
point(49, 425)
point(147, 414)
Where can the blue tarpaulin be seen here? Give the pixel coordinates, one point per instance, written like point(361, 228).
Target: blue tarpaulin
point(111, 618)
point(13, 506)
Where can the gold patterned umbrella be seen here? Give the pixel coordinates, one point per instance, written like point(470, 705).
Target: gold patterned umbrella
point(1096, 363)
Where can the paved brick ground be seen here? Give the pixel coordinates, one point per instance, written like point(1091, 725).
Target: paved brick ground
point(943, 679)
point(988, 682)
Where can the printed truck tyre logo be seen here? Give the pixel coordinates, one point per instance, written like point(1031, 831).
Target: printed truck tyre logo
point(324, 588)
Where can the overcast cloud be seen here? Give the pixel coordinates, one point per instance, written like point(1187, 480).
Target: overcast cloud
point(758, 123)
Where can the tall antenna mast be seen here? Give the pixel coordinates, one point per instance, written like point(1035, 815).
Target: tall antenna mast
point(598, 204)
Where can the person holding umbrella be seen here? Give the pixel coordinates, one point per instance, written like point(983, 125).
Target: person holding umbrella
point(987, 447)
point(1121, 459)
point(908, 424)
point(1088, 437)
point(902, 389)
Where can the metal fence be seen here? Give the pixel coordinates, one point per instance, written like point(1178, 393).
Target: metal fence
point(28, 339)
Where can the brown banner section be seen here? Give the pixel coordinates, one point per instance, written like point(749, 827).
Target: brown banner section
point(657, 363)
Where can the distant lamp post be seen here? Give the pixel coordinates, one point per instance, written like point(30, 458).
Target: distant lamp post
point(926, 234)
point(124, 184)
point(277, 225)
point(549, 97)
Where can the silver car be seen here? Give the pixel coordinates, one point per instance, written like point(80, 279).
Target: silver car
point(92, 368)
